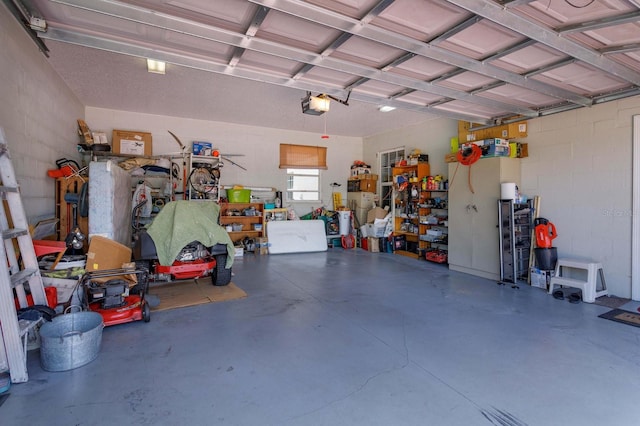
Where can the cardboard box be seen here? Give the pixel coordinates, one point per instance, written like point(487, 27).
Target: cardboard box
point(496, 142)
point(451, 157)
point(376, 213)
point(506, 131)
point(376, 229)
point(523, 150)
point(496, 151)
point(201, 148)
point(367, 185)
point(493, 147)
point(262, 245)
point(131, 142)
point(540, 278)
point(106, 254)
point(373, 244)
point(368, 176)
point(100, 138)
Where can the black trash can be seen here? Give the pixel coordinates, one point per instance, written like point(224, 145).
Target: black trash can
point(546, 258)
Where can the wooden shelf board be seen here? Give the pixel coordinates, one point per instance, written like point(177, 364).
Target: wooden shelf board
point(407, 253)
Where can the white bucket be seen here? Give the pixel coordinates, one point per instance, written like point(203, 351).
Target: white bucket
point(508, 191)
point(345, 221)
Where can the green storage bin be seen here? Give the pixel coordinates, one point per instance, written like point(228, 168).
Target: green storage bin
point(239, 195)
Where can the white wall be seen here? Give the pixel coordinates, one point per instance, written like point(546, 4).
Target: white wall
point(432, 137)
point(259, 147)
point(38, 113)
point(580, 164)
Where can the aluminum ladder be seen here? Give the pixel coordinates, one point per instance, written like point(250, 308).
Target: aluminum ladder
point(13, 273)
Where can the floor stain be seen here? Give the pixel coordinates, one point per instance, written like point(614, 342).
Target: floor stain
point(499, 417)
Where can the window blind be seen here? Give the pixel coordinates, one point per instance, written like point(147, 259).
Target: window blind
point(303, 157)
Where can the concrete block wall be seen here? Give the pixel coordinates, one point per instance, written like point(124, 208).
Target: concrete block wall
point(433, 137)
point(38, 113)
point(258, 147)
point(580, 164)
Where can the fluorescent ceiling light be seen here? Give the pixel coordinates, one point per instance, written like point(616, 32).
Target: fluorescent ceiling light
point(157, 67)
point(386, 108)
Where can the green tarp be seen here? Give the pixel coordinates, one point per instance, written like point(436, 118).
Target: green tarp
point(182, 222)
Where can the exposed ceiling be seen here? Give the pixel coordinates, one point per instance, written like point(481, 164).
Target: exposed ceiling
point(252, 61)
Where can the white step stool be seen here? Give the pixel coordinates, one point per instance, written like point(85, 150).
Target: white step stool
point(589, 287)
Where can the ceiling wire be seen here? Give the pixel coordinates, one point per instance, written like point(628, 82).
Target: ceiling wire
point(325, 135)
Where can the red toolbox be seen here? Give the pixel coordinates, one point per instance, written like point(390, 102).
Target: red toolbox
point(437, 256)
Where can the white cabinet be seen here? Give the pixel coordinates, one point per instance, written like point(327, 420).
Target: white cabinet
point(473, 217)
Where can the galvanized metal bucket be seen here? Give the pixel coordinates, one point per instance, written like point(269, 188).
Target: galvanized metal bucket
point(70, 341)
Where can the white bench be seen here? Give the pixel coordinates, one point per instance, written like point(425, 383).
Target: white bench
point(588, 287)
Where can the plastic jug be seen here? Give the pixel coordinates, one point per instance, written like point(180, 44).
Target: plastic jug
point(545, 232)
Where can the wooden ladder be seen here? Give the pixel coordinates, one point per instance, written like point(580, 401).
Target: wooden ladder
point(14, 274)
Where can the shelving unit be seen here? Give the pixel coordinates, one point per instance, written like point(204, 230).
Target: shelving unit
point(406, 210)
point(434, 229)
point(228, 216)
point(515, 224)
point(158, 191)
point(270, 215)
point(203, 179)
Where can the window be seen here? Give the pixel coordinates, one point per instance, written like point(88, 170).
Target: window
point(303, 185)
point(303, 164)
point(386, 161)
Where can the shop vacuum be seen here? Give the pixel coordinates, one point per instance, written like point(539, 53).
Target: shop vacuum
point(546, 255)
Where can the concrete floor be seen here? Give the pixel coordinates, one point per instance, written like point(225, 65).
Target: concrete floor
point(348, 337)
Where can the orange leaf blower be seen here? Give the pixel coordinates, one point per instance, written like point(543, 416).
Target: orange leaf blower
point(545, 232)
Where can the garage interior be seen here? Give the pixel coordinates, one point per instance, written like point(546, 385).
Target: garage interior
point(346, 335)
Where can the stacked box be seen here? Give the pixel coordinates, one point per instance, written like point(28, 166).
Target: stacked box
point(493, 147)
point(496, 148)
point(506, 131)
point(262, 245)
point(362, 183)
point(374, 244)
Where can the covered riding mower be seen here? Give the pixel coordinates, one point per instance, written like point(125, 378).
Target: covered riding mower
point(185, 241)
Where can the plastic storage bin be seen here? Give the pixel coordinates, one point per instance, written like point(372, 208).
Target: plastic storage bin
point(239, 195)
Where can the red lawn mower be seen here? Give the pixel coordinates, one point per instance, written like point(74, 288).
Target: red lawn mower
point(185, 241)
point(117, 294)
